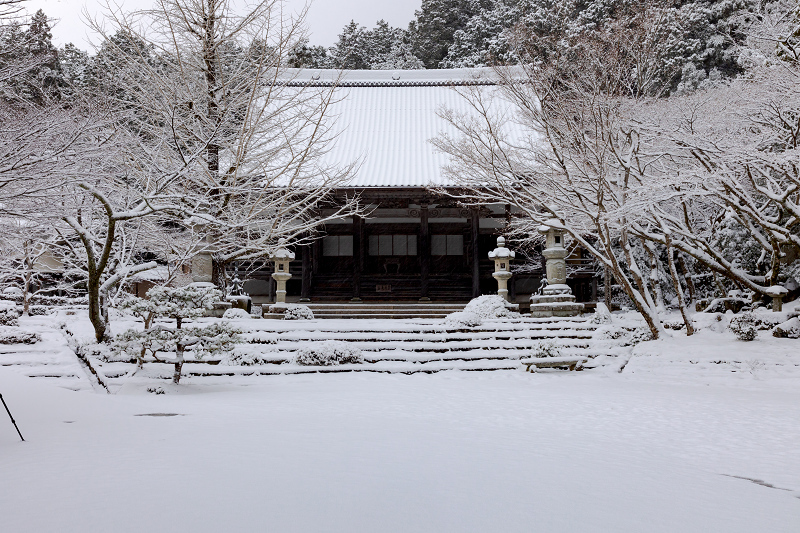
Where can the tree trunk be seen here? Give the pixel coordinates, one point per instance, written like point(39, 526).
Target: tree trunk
point(218, 274)
point(687, 276)
point(95, 311)
point(655, 281)
point(676, 282)
point(641, 298)
point(176, 374)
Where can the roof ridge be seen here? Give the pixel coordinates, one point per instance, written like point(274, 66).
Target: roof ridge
point(389, 83)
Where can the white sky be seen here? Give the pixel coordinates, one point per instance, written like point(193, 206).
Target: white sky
point(325, 20)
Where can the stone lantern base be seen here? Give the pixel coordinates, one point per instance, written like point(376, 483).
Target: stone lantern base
point(555, 300)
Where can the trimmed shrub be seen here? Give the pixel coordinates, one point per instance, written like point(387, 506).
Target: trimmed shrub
point(298, 312)
point(9, 316)
point(744, 327)
point(491, 306)
point(328, 353)
point(546, 349)
point(234, 313)
point(462, 319)
point(788, 330)
point(12, 335)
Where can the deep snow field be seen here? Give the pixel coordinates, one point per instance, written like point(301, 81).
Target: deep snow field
point(674, 443)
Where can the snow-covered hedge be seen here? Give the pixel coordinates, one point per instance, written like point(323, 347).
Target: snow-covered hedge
point(744, 327)
point(12, 335)
point(462, 319)
point(244, 358)
point(546, 349)
point(328, 353)
point(9, 316)
point(234, 313)
point(601, 314)
point(491, 306)
point(298, 312)
point(788, 330)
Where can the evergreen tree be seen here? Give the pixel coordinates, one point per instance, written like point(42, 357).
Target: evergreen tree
point(303, 55)
point(381, 48)
point(433, 30)
point(389, 48)
point(75, 70)
point(42, 81)
point(351, 50)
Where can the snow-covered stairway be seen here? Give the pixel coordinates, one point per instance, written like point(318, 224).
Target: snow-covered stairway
point(395, 346)
point(378, 310)
point(50, 358)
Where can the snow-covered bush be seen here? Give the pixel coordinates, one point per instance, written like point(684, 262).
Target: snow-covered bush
point(640, 334)
point(546, 349)
point(328, 353)
point(744, 327)
point(611, 332)
point(788, 330)
point(38, 310)
point(601, 314)
point(12, 292)
point(298, 312)
point(462, 319)
point(12, 335)
point(245, 358)
point(234, 313)
point(9, 316)
point(673, 324)
point(491, 306)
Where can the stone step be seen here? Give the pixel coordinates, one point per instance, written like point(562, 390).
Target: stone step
point(384, 310)
point(423, 347)
point(376, 315)
point(440, 337)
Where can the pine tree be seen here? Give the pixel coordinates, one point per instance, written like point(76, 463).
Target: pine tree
point(351, 50)
point(437, 21)
point(303, 55)
point(43, 80)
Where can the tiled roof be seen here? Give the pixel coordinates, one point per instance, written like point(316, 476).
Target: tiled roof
point(390, 78)
point(386, 120)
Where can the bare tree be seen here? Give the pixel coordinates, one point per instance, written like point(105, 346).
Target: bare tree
point(574, 158)
point(739, 145)
point(213, 107)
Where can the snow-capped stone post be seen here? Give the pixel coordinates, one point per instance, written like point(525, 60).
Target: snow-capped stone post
point(502, 257)
point(777, 292)
point(281, 257)
point(556, 298)
point(202, 267)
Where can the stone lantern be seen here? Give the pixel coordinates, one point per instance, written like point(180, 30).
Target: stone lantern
point(556, 298)
point(502, 258)
point(281, 257)
point(777, 293)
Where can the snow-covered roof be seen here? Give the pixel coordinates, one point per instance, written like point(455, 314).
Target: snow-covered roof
point(159, 273)
point(386, 119)
point(391, 78)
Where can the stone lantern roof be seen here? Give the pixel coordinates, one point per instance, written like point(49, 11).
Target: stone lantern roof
point(501, 252)
point(282, 253)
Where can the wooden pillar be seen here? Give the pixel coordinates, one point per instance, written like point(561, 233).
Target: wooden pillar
point(272, 288)
point(358, 256)
point(424, 251)
point(305, 288)
point(476, 272)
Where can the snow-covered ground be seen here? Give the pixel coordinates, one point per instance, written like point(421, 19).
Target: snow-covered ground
point(696, 434)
